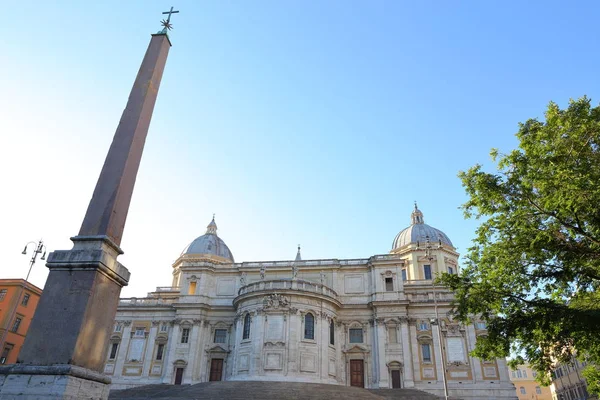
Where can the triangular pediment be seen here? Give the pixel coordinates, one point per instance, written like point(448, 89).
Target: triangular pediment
point(357, 349)
point(217, 349)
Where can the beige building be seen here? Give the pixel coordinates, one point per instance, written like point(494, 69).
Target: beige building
point(376, 322)
point(568, 383)
point(527, 387)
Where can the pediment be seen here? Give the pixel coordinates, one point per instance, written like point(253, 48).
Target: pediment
point(217, 349)
point(357, 349)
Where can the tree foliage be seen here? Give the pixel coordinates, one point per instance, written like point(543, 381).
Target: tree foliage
point(533, 270)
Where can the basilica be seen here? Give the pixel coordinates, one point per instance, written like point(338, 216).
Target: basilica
point(376, 322)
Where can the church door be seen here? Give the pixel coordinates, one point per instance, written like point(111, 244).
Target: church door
point(216, 369)
point(396, 379)
point(178, 376)
point(357, 373)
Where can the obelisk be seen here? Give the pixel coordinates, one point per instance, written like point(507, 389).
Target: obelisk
point(67, 343)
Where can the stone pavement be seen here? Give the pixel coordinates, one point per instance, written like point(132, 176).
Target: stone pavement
point(261, 390)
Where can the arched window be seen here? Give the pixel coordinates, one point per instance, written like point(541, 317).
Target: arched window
point(331, 333)
point(309, 326)
point(246, 327)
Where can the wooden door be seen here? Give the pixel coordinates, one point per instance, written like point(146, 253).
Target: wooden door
point(396, 379)
point(216, 369)
point(357, 373)
point(178, 376)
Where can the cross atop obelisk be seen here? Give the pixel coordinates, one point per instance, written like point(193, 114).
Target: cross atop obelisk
point(167, 23)
point(80, 298)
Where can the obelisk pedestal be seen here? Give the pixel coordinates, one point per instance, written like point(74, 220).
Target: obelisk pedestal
point(67, 343)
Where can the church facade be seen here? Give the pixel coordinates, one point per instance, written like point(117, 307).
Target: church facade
point(377, 322)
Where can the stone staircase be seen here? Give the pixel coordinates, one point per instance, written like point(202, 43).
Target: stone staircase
point(261, 390)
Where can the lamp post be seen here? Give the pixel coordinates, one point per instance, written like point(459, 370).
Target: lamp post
point(435, 321)
point(39, 247)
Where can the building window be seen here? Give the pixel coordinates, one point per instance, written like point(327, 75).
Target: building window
point(246, 334)
point(450, 270)
point(533, 373)
point(427, 271)
point(426, 352)
point(5, 353)
point(522, 389)
point(192, 288)
point(163, 328)
point(309, 326)
point(2, 294)
point(331, 333)
point(524, 373)
point(118, 327)
point(389, 284)
point(16, 325)
point(159, 351)
point(480, 325)
point(404, 278)
point(519, 374)
point(423, 326)
point(513, 374)
point(139, 332)
point(392, 334)
point(25, 300)
point(220, 335)
point(356, 335)
point(113, 351)
point(185, 335)
point(538, 390)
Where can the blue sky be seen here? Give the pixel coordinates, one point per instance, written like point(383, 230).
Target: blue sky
point(308, 122)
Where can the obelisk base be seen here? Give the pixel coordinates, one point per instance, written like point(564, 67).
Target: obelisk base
point(62, 381)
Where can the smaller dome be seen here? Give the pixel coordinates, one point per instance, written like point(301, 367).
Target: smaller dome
point(419, 232)
point(209, 244)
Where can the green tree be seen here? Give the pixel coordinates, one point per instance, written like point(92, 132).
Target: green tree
point(533, 270)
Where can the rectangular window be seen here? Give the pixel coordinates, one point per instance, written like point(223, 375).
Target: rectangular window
point(331, 333)
point(427, 271)
point(163, 328)
point(192, 288)
point(519, 374)
point(533, 373)
point(426, 352)
point(523, 390)
point(185, 335)
point(2, 294)
point(404, 278)
point(159, 352)
point(113, 351)
point(5, 353)
point(524, 373)
point(25, 300)
point(392, 334)
point(139, 332)
point(16, 325)
point(220, 335)
point(389, 284)
point(356, 335)
point(480, 325)
point(538, 390)
point(450, 270)
point(513, 374)
point(423, 326)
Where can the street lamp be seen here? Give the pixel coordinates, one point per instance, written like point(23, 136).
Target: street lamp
point(435, 321)
point(39, 247)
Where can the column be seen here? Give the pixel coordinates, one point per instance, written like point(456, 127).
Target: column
point(170, 358)
point(383, 374)
point(123, 348)
point(475, 362)
point(407, 356)
point(324, 346)
point(150, 348)
point(414, 344)
point(192, 353)
point(439, 367)
point(257, 335)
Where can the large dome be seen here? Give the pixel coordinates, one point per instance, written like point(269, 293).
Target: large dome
point(419, 232)
point(209, 244)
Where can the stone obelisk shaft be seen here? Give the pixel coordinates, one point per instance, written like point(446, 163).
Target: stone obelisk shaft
point(107, 211)
point(67, 343)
